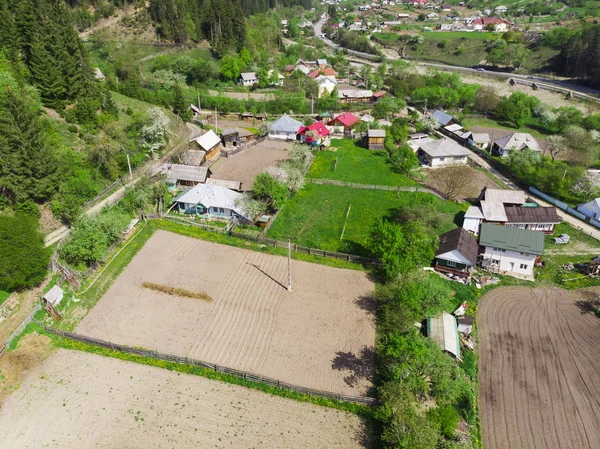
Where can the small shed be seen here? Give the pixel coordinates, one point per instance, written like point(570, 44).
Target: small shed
point(375, 139)
point(53, 296)
point(231, 136)
point(443, 330)
point(193, 157)
point(248, 116)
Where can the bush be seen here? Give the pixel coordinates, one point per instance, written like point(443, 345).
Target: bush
point(24, 258)
point(446, 418)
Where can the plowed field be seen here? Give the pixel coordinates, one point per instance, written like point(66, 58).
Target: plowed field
point(539, 369)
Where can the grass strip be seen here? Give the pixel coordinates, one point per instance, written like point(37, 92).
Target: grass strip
point(67, 343)
point(176, 291)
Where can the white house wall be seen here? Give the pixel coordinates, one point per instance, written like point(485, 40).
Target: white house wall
point(589, 209)
point(443, 161)
point(472, 225)
point(510, 261)
point(454, 256)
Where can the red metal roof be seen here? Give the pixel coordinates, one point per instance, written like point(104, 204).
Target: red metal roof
point(379, 94)
point(318, 127)
point(327, 72)
point(347, 119)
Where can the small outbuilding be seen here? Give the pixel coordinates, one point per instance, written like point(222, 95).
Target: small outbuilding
point(231, 136)
point(375, 139)
point(185, 175)
point(209, 142)
point(193, 157)
point(443, 330)
point(457, 254)
point(53, 296)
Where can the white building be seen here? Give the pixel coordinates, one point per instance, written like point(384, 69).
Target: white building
point(285, 128)
point(326, 84)
point(480, 140)
point(515, 142)
point(211, 201)
point(508, 250)
point(591, 209)
point(439, 153)
point(248, 79)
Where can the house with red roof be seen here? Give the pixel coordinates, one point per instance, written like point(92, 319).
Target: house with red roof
point(329, 72)
point(378, 95)
point(481, 23)
point(347, 120)
point(315, 134)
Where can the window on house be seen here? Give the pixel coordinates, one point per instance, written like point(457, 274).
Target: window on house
point(441, 159)
point(222, 210)
point(451, 263)
point(523, 266)
point(500, 250)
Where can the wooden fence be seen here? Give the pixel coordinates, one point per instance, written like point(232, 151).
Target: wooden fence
point(212, 366)
point(354, 185)
point(228, 153)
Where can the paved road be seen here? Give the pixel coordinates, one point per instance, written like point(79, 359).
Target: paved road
point(583, 92)
point(116, 196)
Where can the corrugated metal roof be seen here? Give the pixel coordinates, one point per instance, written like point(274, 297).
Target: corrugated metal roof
point(286, 124)
point(460, 240)
point(493, 211)
point(473, 212)
point(518, 141)
point(178, 172)
point(442, 117)
point(442, 148)
point(208, 140)
point(504, 196)
point(193, 157)
point(376, 132)
point(532, 215)
point(513, 239)
point(443, 330)
point(54, 295)
point(212, 196)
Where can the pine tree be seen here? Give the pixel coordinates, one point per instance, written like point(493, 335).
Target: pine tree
point(27, 20)
point(108, 104)
point(8, 31)
point(45, 74)
point(179, 105)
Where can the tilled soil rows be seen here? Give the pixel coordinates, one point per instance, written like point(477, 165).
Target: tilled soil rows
point(539, 369)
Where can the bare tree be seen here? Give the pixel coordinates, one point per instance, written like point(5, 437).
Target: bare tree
point(453, 181)
point(556, 145)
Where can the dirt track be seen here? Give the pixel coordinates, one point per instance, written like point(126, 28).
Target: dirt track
point(245, 165)
point(539, 369)
point(80, 400)
point(319, 336)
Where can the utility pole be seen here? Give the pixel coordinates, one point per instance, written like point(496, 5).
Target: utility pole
point(216, 120)
point(289, 265)
point(312, 105)
point(199, 107)
point(129, 165)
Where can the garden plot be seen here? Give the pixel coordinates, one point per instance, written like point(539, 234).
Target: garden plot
point(539, 369)
point(80, 400)
point(319, 336)
point(245, 165)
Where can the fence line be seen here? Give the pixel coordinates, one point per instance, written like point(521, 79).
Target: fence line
point(565, 207)
point(19, 329)
point(217, 368)
point(355, 185)
point(228, 153)
point(270, 222)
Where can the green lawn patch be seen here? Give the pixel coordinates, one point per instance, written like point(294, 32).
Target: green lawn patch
point(529, 127)
point(553, 274)
point(356, 164)
point(576, 235)
point(315, 216)
point(3, 296)
point(477, 35)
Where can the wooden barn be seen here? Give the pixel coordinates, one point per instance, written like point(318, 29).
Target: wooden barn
point(375, 139)
point(231, 136)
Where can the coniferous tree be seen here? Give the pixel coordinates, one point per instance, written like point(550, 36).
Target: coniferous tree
point(179, 106)
point(45, 74)
point(108, 104)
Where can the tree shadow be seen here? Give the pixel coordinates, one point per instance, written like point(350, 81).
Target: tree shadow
point(367, 303)
point(589, 306)
point(360, 366)
point(459, 218)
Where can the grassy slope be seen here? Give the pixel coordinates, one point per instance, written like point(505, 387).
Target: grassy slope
point(529, 127)
point(315, 216)
point(356, 164)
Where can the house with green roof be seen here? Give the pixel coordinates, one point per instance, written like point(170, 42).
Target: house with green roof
point(509, 250)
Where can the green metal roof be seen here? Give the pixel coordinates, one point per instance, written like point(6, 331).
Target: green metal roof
point(513, 239)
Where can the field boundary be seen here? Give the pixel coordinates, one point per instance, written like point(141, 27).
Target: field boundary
point(355, 185)
point(217, 368)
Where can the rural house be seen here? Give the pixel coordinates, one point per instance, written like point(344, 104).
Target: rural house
point(314, 134)
point(457, 254)
point(285, 128)
point(230, 136)
point(515, 142)
point(439, 153)
point(248, 79)
point(375, 139)
point(444, 119)
point(209, 142)
point(193, 157)
point(185, 175)
point(355, 96)
point(508, 250)
point(535, 218)
point(443, 330)
point(212, 201)
point(344, 123)
point(325, 84)
point(591, 209)
point(479, 140)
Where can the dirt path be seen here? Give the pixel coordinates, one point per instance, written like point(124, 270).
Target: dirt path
point(107, 22)
point(539, 369)
point(79, 400)
point(319, 336)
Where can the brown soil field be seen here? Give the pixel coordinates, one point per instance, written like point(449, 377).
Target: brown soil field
point(539, 369)
point(80, 400)
point(320, 336)
point(475, 182)
point(245, 165)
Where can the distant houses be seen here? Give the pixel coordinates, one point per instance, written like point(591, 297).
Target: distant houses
point(515, 142)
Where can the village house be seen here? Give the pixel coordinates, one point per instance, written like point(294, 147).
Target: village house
point(212, 201)
point(444, 119)
point(230, 136)
point(443, 330)
point(285, 128)
point(328, 72)
point(438, 153)
point(590, 209)
point(280, 78)
point(209, 142)
point(446, 8)
point(375, 139)
point(325, 84)
point(483, 23)
point(515, 142)
point(500, 9)
point(355, 96)
point(457, 254)
point(248, 79)
point(511, 251)
point(344, 123)
point(315, 134)
point(322, 63)
point(193, 157)
point(479, 140)
point(289, 69)
point(378, 95)
point(247, 116)
point(184, 175)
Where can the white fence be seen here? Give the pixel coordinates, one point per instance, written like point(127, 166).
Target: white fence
point(565, 207)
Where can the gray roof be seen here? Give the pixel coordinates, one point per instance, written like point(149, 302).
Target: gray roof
point(459, 240)
point(474, 212)
point(443, 330)
point(442, 117)
point(248, 76)
point(193, 157)
point(376, 132)
point(54, 295)
point(177, 172)
point(286, 124)
point(443, 148)
point(212, 196)
point(480, 137)
point(208, 140)
point(228, 131)
point(532, 215)
point(493, 211)
point(513, 239)
point(518, 141)
point(322, 61)
point(233, 185)
point(354, 93)
point(503, 196)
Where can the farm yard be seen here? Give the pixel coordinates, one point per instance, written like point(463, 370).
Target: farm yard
point(539, 369)
point(316, 215)
point(245, 165)
point(356, 164)
point(76, 399)
point(320, 336)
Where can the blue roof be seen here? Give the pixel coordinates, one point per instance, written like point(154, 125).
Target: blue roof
point(442, 117)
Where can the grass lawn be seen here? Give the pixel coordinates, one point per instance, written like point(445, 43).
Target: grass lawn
point(3, 296)
point(482, 36)
point(356, 164)
point(529, 127)
point(460, 52)
point(315, 216)
point(577, 237)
